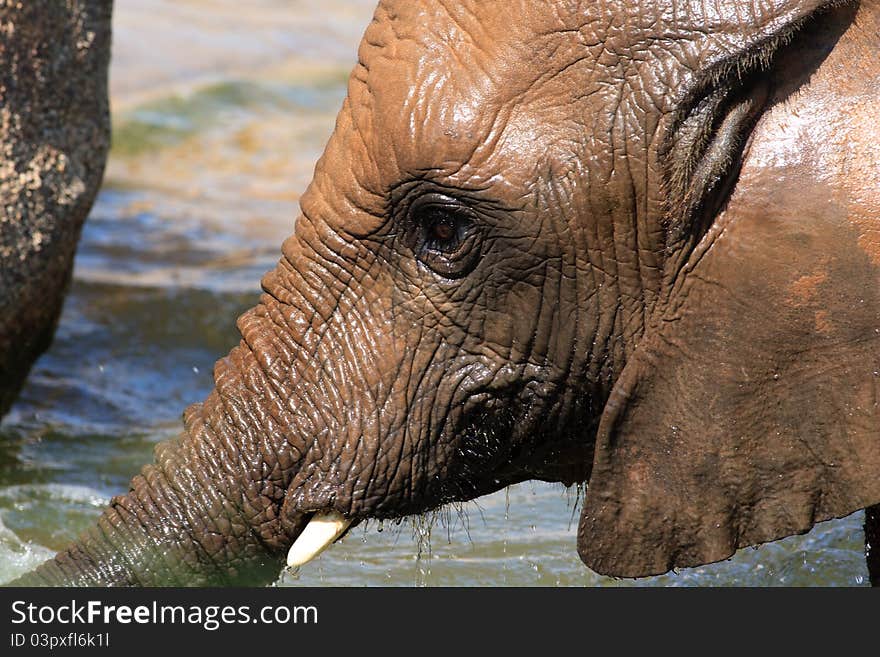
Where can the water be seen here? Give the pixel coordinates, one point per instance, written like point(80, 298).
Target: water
point(218, 120)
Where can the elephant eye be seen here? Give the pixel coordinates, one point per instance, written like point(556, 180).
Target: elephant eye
point(443, 229)
point(443, 235)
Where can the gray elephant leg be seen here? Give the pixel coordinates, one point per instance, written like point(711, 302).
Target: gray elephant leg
point(54, 137)
point(872, 543)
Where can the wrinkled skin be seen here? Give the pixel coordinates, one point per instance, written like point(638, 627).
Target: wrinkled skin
point(629, 243)
point(54, 137)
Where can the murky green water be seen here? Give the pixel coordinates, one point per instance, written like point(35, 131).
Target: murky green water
point(219, 119)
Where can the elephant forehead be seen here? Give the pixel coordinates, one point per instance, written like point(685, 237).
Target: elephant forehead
point(440, 81)
point(442, 85)
point(620, 24)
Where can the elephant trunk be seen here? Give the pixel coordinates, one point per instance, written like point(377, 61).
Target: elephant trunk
point(296, 429)
point(210, 510)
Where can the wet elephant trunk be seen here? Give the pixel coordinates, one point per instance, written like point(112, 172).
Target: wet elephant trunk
point(210, 510)
point(206, 513)
point(181, 524)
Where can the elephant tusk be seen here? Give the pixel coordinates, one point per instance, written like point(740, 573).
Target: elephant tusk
point(322, 530)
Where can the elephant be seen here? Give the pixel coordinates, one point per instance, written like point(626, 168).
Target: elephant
point(54, 138)
point(630, 244)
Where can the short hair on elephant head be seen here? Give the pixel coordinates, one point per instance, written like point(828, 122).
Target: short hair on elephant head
point(630, 243)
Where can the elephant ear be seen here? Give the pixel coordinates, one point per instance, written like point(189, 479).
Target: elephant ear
point(751, 408)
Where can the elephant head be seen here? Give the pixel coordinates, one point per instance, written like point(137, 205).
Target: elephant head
point(629, 243)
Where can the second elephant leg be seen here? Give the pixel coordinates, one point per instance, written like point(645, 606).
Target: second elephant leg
point(872, 543)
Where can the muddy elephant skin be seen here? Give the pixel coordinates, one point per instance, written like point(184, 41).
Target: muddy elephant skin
point(54, 137)
point(628, 243)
